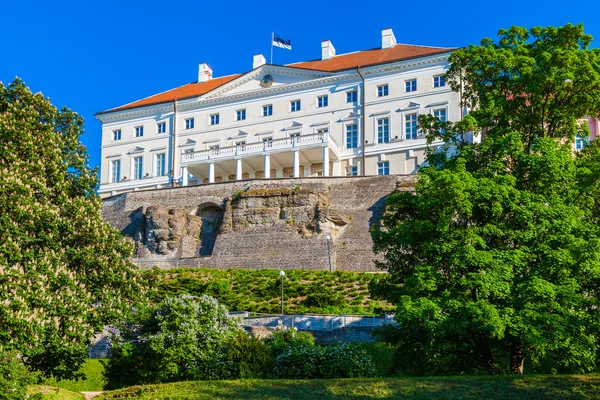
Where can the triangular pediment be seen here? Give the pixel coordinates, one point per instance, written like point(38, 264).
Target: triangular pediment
point(265, 79)
point(350, 116)
point(410, 106)
point(238, 134)
point(136, 149)
point(188, 142)
point(293, 126)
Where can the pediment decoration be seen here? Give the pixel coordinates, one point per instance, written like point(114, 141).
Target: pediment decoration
point(293, 126)
point(238, 134)
point(158, 148)
point(319, 124)
point(211, 141)
point(136, 149)
point(188, 142)
point(350, 116)
point(439, 103)
point(410, 106)
point(267, 78)
point(262, 133)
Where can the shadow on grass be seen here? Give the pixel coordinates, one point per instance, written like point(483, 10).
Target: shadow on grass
point(441, 388)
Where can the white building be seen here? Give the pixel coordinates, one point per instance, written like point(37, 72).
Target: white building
point(344, 114)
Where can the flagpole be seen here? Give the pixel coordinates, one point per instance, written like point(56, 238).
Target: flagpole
point(272, 38)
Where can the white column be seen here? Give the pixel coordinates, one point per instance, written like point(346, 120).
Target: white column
point(336, 168)
point(296, 163)
point(267, 168)
point(211, 172)
point(238, 169)
point(325, 161)
point(184, 176)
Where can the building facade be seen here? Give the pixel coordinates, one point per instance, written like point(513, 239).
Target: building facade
point(341, 115)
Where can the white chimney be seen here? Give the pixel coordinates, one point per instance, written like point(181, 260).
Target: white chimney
point(388, 39)
point(258, 61)
point(205, 72)
point(327, 50)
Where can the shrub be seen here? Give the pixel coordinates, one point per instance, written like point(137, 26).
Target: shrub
point(251, 358)
point(322, 296)
point(182, 339)
point(346, 360)
point(284, 338)
point(13, 376)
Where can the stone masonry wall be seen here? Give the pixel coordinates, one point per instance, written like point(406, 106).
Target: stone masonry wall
point(270, 223)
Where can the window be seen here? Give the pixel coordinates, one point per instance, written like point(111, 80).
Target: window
point(383, 168)
point(411, 126)
point(382, 90)
point(440, 114)
point(161, 165)
point(352, 171)
point(138, 168)
point(383, 130)
point(117, 134)
point(267, 110)
point(139, 131)
point(581, 141)
point(295, 105)
point(351, 96)
point(161, 127)
point(268, 141)
point(240, 115)
point(214, 147)
point(351, 136)
point(439, 81)
point(214, 119)
point(411, 85)
point(322, 101)
point(295, 134)
point(323, 131)
point(189, 123)
point(115, 173)
point(241, 144)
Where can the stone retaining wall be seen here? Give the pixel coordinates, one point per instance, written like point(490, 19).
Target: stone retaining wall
point(259, 236)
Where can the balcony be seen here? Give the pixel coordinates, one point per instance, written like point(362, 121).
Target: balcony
point(253, 149)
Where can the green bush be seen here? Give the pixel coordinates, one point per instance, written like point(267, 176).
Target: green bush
point(283, 338)
point(251, 358)
point(14, 376)
point(181, 339)
point(346, 360)
point(323, 296)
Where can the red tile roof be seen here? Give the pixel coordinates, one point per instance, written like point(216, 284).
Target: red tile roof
point(338, 63)
point(370, 57)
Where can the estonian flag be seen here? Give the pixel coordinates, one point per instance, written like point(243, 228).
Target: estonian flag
point(283, 43)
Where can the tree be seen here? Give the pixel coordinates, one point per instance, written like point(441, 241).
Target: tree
point(495, 256)
point(64, 273)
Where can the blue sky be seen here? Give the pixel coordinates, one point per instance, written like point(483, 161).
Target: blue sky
point(91, 56)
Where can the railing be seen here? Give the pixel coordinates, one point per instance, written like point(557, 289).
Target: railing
point(260, 147)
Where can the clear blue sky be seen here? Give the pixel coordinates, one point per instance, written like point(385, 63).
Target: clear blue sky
point(91, 56)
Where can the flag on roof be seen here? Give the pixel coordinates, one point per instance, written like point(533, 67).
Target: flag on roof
point(281, 42)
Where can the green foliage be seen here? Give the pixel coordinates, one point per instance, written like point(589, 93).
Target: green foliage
point(14, 376)
point(63, 272)
point(283, 338)
point(92, 380)
point(260, 290)
point(251, 358)
point(346, 360)
point(184, 338)
point(495, 258)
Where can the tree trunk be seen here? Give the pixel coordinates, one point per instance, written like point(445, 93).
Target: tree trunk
point(517, 358)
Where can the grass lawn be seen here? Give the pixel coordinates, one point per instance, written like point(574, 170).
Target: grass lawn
point(440, 388)
point(92, 368)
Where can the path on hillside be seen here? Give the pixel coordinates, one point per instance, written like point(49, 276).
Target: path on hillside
point(90, 395)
